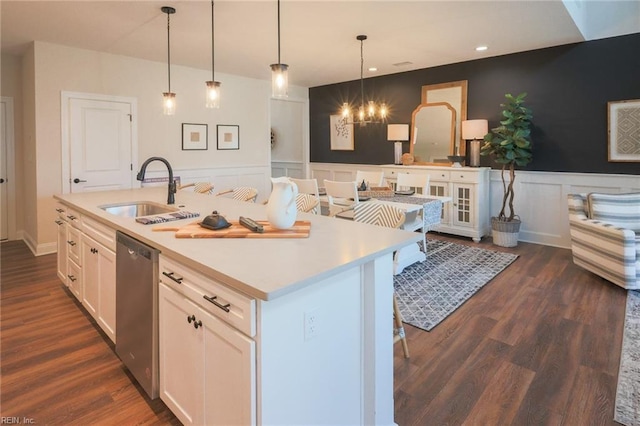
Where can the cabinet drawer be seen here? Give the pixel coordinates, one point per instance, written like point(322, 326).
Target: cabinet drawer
point(439, 175)
point(99, 232)
point(73, 217)
point(61, 210)
point(463, 176)
point(73, 245)
point(229, 305)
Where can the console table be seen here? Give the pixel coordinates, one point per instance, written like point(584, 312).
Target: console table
point(468, 214)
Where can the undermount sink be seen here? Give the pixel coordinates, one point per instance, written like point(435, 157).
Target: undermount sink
point(137, 209)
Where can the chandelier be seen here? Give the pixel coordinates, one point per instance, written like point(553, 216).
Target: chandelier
point(369, 112)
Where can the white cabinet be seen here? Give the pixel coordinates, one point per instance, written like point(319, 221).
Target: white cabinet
point(87, 264)
point(99, 284)
point(207, 367)
point(468, 212)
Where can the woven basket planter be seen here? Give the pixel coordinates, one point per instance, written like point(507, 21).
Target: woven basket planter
point(505, 234)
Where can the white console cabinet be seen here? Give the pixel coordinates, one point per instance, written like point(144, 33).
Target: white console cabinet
point(468, 213)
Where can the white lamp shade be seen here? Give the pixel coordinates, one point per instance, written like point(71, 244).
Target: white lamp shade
point(474, 129)
point(398, 132)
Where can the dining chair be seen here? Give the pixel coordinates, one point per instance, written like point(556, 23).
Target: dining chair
point(413, 181)
point(199, 187)
point(308, 186)
point(420, 184)
point(342, 198)
point(307, 203)
point(372, 178)
point(392, 217)
point(242, 193)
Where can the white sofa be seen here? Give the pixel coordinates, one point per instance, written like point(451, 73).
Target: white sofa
point(605, 236)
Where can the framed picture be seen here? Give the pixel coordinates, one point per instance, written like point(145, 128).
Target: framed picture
point(228, 136)
point(624, 131)
point(341, 133)
point(195, 137)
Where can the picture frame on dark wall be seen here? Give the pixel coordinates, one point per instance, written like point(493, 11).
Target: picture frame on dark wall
point(341, 133)
point(228, 136)
point(624, 131)
point(195, 137)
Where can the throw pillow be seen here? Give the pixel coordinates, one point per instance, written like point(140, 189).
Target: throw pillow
point(621, 210)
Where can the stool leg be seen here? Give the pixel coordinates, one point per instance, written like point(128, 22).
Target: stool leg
point(399, 328)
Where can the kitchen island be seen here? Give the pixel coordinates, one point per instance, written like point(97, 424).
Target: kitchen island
point(308, 336)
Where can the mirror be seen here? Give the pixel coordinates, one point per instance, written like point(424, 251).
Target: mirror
point(455, 95)
point(433, 133)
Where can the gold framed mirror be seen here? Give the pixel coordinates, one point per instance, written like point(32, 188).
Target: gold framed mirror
point(453, 93)
point(433, 132)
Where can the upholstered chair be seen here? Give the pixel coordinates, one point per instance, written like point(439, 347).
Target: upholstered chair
point(605, 236)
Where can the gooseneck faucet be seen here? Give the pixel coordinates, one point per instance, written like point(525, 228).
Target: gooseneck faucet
point(172, 184)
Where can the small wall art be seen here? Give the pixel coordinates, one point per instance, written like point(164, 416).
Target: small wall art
point(194, 137)
point(624, 131)
point(228, 136)
point(341, 133)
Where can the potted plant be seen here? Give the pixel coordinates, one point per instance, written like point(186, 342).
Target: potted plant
point(509, 145)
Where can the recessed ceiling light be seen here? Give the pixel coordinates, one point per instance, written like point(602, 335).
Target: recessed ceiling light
point(481, 48)
point(372, 69)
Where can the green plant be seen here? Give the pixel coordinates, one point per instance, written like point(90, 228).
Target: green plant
point(510, 146)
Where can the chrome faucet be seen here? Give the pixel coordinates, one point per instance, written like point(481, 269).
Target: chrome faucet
point(172, 184)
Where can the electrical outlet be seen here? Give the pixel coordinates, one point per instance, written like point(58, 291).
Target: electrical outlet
point(311, 324)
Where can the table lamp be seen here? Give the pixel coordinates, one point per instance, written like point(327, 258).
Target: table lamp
point(474, 130)
point(397, 133)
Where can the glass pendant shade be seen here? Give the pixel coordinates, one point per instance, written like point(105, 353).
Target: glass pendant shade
point(213, 94)
point(169, 103)
point(279, 80)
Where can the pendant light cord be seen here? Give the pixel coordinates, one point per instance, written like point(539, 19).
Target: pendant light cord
point(168, 51)
point(212, 45)
point(278, 32)
point(362, 73)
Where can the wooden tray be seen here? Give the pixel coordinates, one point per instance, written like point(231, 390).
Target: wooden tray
point(300, 229)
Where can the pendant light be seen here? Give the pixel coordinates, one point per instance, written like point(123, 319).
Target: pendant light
point(371, 113)
point(279, 71)
point(168, 96)
point(213, 86)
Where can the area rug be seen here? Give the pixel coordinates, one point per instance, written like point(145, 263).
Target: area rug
point(628, 391)
point(428, 292)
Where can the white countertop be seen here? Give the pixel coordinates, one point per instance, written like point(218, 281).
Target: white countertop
point(264, 268)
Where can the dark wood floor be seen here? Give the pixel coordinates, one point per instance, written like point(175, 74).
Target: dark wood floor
point(540, 344)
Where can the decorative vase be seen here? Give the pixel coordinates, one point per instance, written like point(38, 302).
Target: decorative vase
point(281, 207)
point(505, 233)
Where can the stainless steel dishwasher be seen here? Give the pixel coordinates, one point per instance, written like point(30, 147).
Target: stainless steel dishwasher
point(137, 310)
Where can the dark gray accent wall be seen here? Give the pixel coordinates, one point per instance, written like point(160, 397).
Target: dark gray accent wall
point(568, 89)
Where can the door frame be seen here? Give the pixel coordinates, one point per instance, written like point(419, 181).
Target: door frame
point(65, 114)
point(10, 161)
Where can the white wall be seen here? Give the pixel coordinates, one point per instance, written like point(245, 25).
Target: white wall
point(245, 102)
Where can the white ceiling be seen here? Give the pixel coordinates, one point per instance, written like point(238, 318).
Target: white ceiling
point(318, 38)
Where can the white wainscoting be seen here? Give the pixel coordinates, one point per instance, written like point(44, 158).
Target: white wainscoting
point(223, 178)
point(540, 197)
point(294, 169)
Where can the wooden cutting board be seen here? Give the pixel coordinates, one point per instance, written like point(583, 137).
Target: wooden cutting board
point(300, 229)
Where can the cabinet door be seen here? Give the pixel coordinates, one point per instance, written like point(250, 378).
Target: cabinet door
point(181, 357)
point(90, 277)
point(463, 212)
point(62, 251)
point(441, 189)
point(230, 390)
point(107, 291)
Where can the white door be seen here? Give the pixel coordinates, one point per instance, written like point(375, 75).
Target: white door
point(6, 164)
point(289, 152)
point(100, 144)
